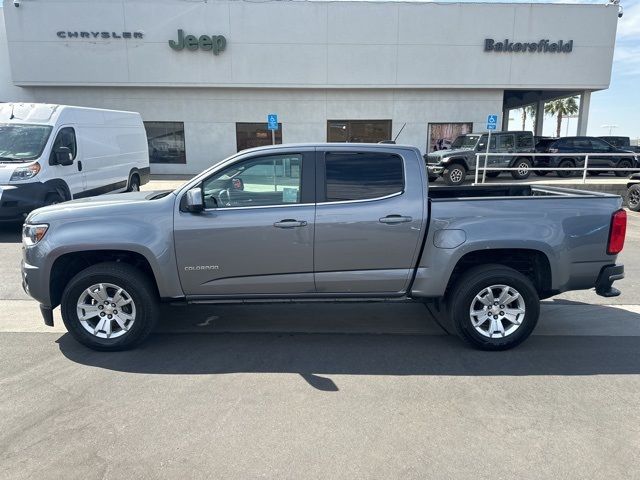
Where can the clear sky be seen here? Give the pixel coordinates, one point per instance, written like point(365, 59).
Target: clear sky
point(620, 104)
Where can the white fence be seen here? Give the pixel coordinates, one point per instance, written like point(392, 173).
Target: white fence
point(483, 157)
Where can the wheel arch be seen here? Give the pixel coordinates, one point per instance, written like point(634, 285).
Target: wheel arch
point(66, 266)
point(59, 186)
point(533, 264)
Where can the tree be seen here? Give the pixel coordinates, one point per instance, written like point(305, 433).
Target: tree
point(529, 111)
point(561, 108)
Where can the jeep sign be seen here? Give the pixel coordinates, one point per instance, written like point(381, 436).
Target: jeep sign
point(215, 43)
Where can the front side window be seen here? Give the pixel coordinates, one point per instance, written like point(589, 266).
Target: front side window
point(465, 141)
point(166, 142)
point(482, 144)
point(362, 176)
point(20, 142)
point(270, 180)
point(66, 138)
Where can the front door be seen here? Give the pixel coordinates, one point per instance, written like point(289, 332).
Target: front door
point(255, 236)
point(73, 174)
point(369, 221)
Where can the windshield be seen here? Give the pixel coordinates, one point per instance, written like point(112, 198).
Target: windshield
point(20, 142)
point(465, 141)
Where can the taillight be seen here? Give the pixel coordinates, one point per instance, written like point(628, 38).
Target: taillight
point(617, 232)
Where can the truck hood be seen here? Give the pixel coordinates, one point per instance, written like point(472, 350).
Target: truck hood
point(96, 207)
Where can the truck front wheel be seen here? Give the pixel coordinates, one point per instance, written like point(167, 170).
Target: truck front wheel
point(523, 171)
point(454, 174)
point(494, 307)
point(110, 306)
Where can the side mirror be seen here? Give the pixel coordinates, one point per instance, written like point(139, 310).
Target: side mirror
point(194, 201)
point(64, 156)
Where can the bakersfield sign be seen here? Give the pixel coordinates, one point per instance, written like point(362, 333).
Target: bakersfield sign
point(213, 43)
point(543, 46)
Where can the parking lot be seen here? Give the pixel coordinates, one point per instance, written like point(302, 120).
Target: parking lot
point(323, 391)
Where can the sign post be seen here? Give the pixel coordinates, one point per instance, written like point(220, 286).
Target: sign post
point(492, 124)
point(272, 124)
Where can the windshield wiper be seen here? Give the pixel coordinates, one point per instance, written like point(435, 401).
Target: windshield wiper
point(11, 159)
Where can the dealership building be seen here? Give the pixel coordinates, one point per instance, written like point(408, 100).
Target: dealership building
point(205, 74)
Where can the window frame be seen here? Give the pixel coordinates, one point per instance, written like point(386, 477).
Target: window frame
point(307, 181)
point(321, 184)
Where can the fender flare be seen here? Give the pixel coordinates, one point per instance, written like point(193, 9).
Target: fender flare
point(59, 186)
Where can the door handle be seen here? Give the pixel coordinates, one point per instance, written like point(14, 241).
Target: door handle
point(392, 219)
point(290, 223)
point(79, 166)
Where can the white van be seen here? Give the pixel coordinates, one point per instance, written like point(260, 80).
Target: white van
point(52, 153)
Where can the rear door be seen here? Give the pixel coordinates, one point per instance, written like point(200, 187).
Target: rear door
point(369, 220)
point(598, 147)
point(505, 144)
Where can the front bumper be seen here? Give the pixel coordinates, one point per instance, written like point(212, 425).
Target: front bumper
point(16, 201)
point(608, 275)
point(435, 169)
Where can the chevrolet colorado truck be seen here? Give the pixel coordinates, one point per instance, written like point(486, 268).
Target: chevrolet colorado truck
point(321, 222)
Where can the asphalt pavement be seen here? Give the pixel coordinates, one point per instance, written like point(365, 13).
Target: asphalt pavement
point(323, 391)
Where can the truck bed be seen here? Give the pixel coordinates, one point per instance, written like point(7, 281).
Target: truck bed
point(440, 193)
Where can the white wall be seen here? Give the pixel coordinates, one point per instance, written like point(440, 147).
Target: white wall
point(210, 114)
point(311, 44)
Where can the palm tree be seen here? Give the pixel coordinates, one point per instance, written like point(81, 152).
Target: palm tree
point(529, 111)
point(561, 108)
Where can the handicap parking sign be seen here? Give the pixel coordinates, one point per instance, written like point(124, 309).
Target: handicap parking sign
point(492, 122)
point(272, 121)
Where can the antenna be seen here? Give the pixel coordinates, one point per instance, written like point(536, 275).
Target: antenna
point(11, 116)
point(405, 124)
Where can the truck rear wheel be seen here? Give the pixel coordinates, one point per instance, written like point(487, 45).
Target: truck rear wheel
point(110, 306)
point(494, 307)
point(454, 174)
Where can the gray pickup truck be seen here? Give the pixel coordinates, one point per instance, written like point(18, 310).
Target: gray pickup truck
point(321, 222)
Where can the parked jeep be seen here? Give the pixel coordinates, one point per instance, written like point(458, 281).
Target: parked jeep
point(454, 164)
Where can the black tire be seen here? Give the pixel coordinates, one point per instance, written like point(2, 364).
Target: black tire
point(633, 197)
point(541, 173)
point(524, 164)
point(141, 291)
point(454, 174)
point(566, 164)
point(134, 183)
point(493, 174)
point(52, 199)
point(623, 164)
point(463, 298)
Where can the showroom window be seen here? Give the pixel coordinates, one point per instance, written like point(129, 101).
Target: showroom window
point(250, 135)
point(362, 176)
point(358, 131)
point(166, 142)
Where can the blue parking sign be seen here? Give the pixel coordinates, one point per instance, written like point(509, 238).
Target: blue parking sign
point(492, 122)
point(272, 121)
point(491, 126)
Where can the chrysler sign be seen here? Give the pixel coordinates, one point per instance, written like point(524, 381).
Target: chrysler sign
point(543, 46)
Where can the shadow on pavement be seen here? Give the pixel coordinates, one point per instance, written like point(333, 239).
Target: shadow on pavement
point(316, 355)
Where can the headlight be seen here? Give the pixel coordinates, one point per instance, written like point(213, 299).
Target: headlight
point(32, 234)
point(25, 173)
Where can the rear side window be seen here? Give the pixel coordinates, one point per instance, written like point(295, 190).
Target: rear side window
point(524, 141)
point(362, 176)
point(505, 141)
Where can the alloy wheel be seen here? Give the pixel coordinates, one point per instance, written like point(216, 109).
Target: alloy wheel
point(106, 310)
point(497, 311)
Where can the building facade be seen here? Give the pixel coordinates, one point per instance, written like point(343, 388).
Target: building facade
point(205, 74)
